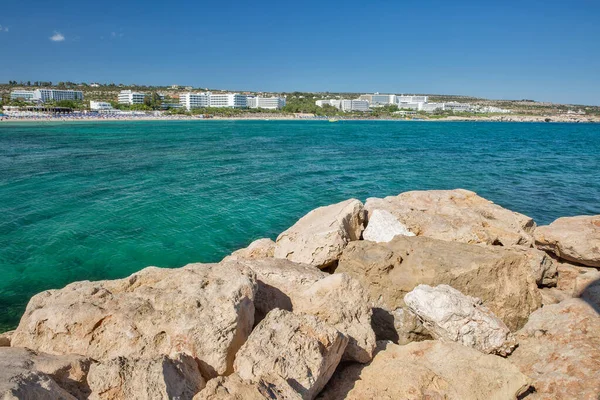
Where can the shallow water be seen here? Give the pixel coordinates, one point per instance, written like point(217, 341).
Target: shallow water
point(102, 200)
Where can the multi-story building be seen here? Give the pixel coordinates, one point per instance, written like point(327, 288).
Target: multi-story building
point(131, 97)
point(354, 105)
point(410, 106)
point(270, 103)
point(230, 100)
point(101, 106)
point(411, 99)
point(378, 100)
point(45, 95)
point(457, 107)
point(431, 107)
point(25, 95)
point(194, 100)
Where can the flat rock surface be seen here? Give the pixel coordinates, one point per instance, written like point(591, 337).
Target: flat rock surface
point(319, 237)
point(559, 348)
point(260, 248)
point(502, 278)
point(233, 387)
point(161, 377)
point(428, 370)
point(456, 215)
point(298, 348)
point(204, 310)
point(575, 239)
point(26, 374)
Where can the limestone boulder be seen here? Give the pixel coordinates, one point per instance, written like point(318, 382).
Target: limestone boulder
point(500, 277)
point(451, 316)
point(574, 239)
point(278, 282)
point(428, 370)
point(26, 374)
point(301, 349)
point(341, 301)
point(319, 237)
point(542, 266)
point(574, 279)
point(204, 310)
point(233, 387)
point(260, 248)
point(157, 378)
point(383, 226)
point(456, 215)
point(559, 348)
point(338, 300)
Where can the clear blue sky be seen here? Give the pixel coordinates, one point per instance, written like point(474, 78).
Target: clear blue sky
point(543, 50)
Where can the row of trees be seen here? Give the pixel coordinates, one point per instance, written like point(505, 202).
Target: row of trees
point(29, 83)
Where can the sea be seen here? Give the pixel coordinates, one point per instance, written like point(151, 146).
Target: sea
point(101, 200)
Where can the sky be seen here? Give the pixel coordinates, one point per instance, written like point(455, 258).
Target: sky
point(541, 50)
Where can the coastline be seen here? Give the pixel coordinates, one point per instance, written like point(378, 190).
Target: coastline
point(503, 118)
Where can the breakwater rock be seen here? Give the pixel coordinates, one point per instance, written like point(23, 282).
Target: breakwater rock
point(446, 295)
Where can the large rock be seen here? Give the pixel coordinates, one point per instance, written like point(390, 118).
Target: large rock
point(139, 379)
point(298, 348)
point(26, 374)
point(260, 248)
point(336, 299)
point(319, 237)
point(456, 215)
point(400, 326)
point(450, 315)
point(205, 311)
point(341, 301)
point(574, 279)
point(383, 226)
point(279, 281)
point(575, 239)
point(501, 277)
point(233, 387)
point(428, 370)
point(559, 349)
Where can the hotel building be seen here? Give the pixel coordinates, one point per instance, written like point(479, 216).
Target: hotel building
point(194, 100)
point(130, 97)
point(229, 100)
point(269, 103)
point(26, 95)
point(44, 95)
point(101, 106)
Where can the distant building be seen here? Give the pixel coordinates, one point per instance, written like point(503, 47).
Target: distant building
point(270, 103)
point(411, 99)
point(24, 95)
point(130, 97)
point(45, 95)
point(229, 100)
point(194, 100)
point(457, 107)
point(94, 85)
point(378, 100)
point(354, 105)
point(431, 107)
point(101, 106)
point(174, 86)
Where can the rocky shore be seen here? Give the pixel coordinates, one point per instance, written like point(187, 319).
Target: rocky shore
point(424, 295)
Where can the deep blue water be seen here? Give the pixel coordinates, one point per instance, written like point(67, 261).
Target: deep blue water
point(102, 200)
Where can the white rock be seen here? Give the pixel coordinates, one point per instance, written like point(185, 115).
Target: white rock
point(383, 226)
point(450, 315)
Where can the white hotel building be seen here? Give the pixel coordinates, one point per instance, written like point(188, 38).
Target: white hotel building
point(44, 95)
point(269, 103)
point(208, 99)
point(130, 97)
point(345, 104)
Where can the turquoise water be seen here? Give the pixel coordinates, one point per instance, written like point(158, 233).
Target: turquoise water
point(102, 200)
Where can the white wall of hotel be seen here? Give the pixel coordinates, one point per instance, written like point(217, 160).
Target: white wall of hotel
point(131, 97)
point(208, 99)
point(101, 106)
point(269, 103)
point(43, 95)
